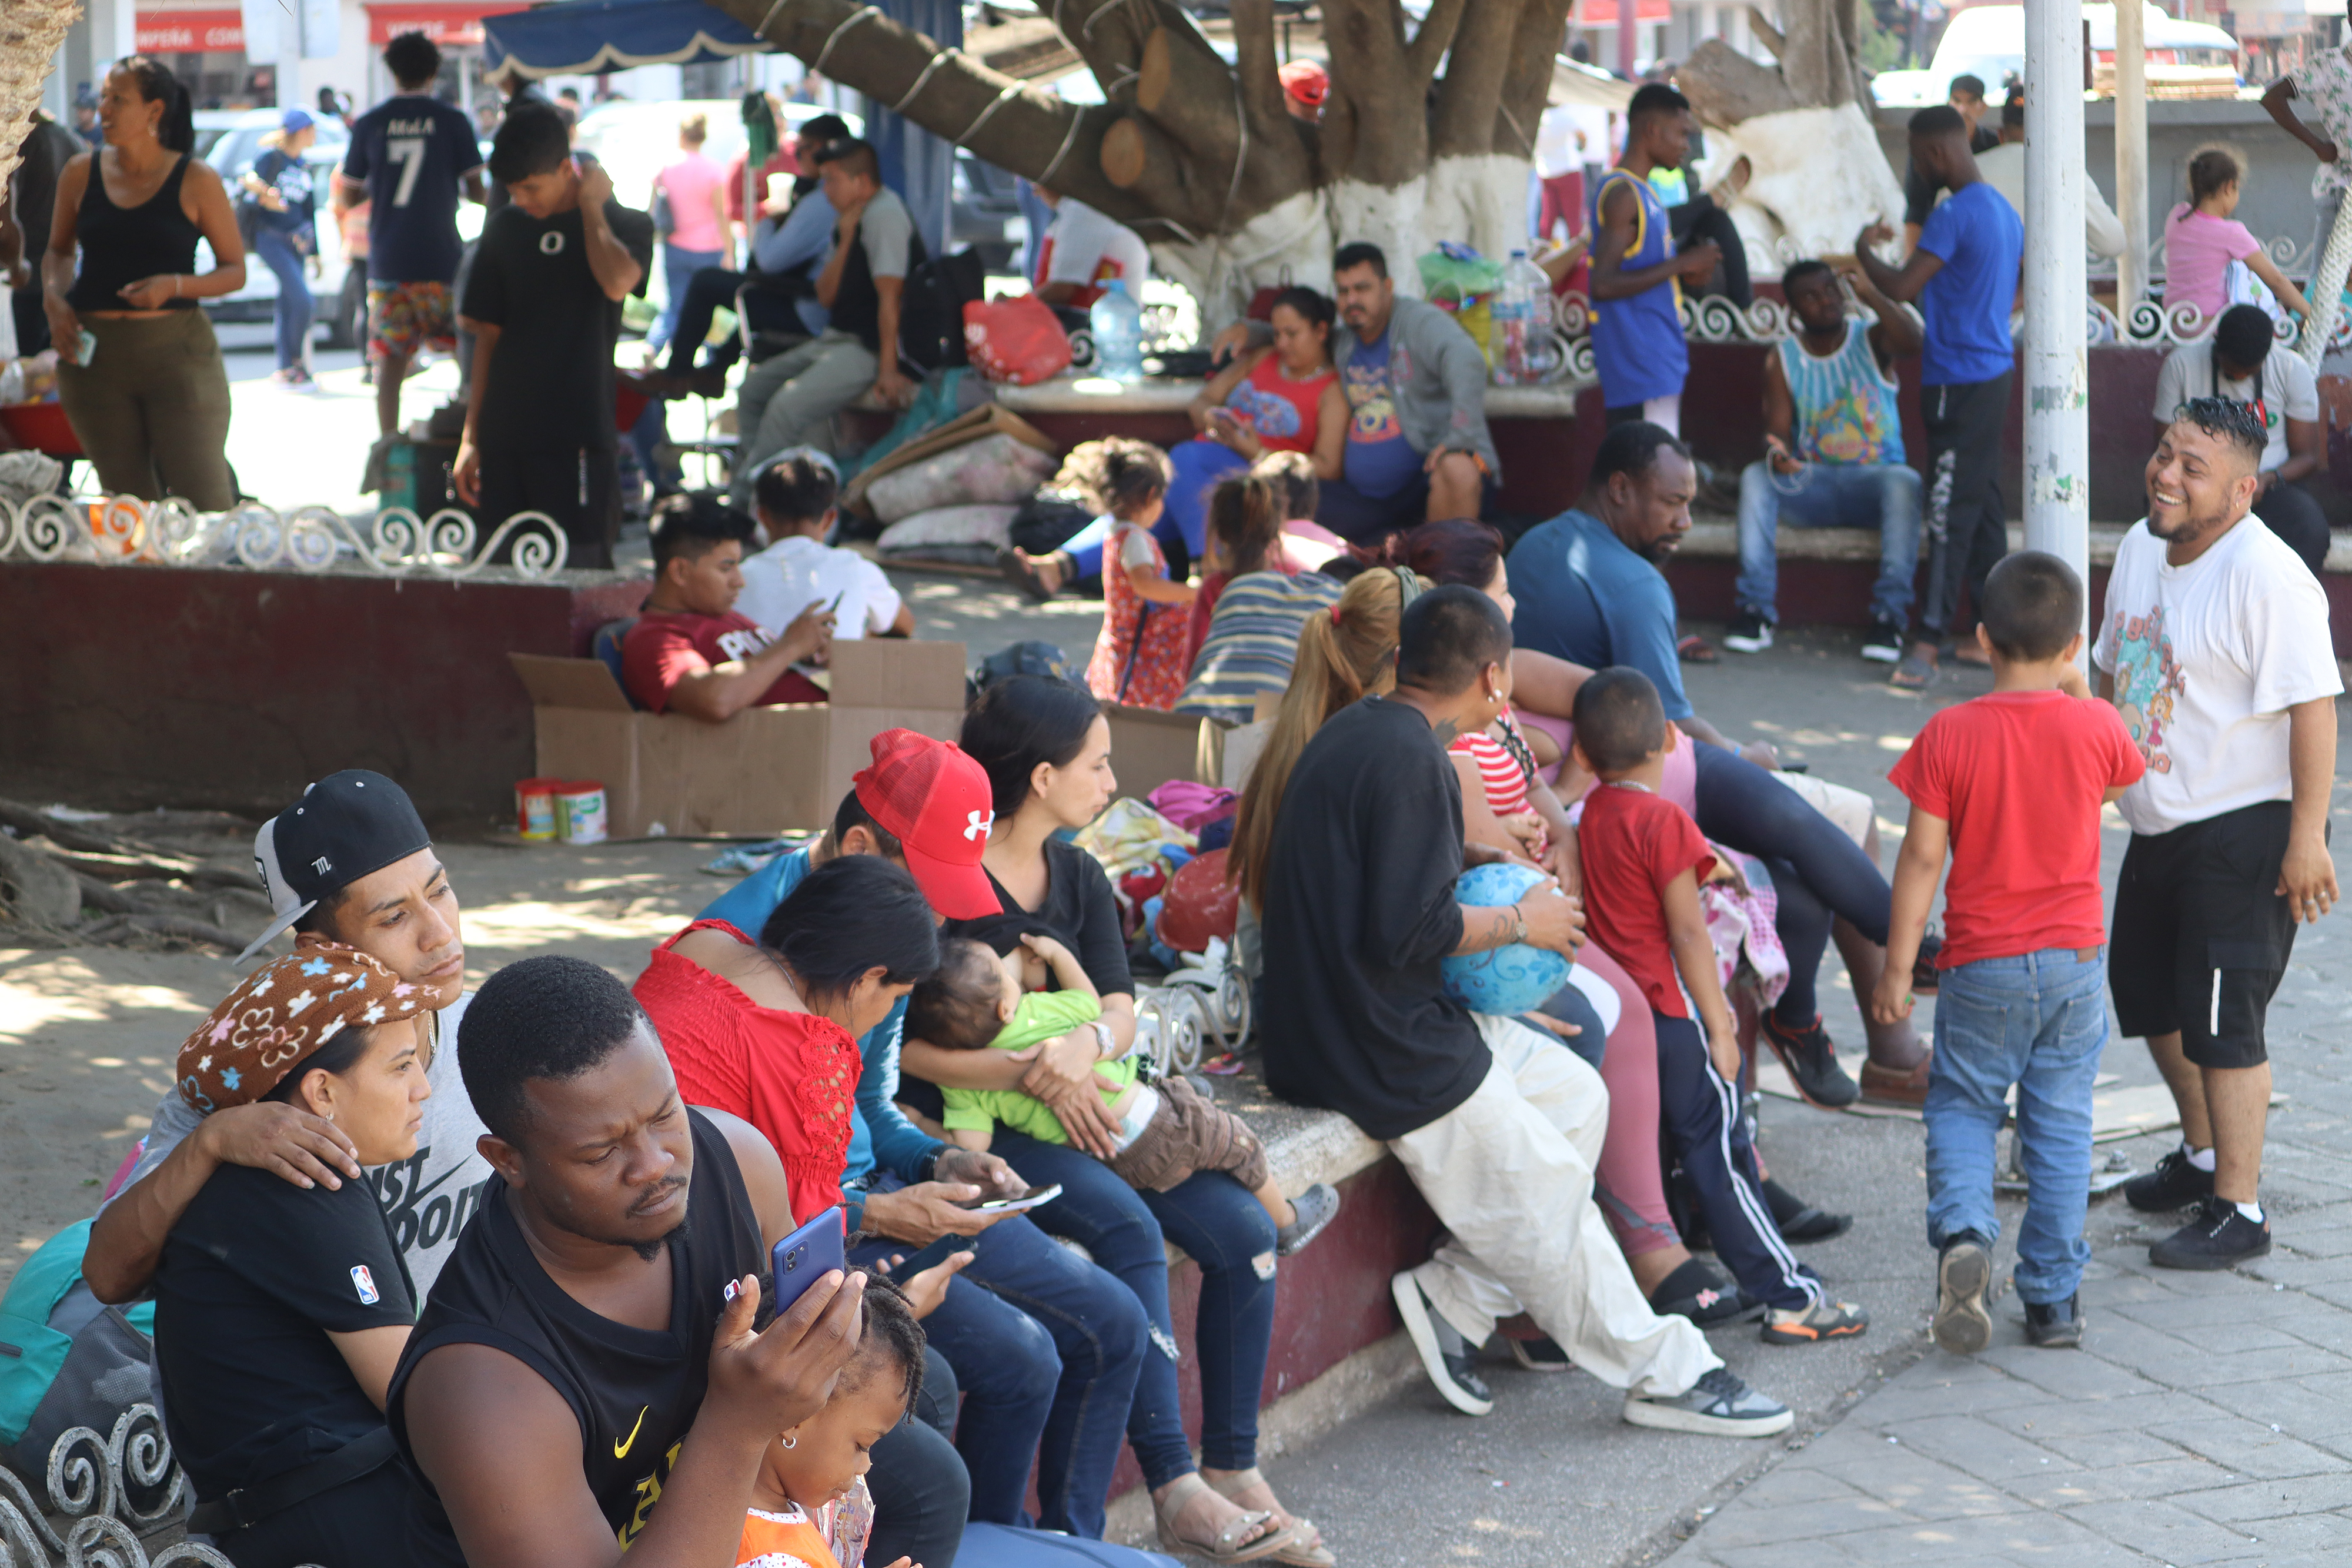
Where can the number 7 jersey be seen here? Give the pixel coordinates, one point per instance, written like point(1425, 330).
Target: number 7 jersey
point(412, 151)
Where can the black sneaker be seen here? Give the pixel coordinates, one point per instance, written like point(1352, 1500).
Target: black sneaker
point(1445, 1355)
point(1811, 1063)
point(1797, 1221)
point(1924, 978)
point(2219, 1238)
point(1697, 1292)
point(1747, 633)
point(2174, 1183)
point(1883, 644)
point(2055, 1325)
point(1963, 1274)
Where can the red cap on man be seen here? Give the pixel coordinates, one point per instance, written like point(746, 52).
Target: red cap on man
point(1307, 82)
point(935, 800)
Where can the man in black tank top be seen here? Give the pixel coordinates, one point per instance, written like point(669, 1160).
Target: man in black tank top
point(581, 1331)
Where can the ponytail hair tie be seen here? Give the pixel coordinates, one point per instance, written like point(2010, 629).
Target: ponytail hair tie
point(1335, 612)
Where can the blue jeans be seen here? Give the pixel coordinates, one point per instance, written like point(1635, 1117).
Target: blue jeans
point(678, 267)
point(1046, 1352)
point(1221, 1228)
point(2038, 1022)
point(1828, 496)
point(293, 317)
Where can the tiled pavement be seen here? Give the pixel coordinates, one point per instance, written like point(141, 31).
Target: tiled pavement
point(2208, 1418)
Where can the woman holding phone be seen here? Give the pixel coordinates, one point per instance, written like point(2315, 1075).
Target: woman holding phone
point(1046, 748)
point(767, 1030)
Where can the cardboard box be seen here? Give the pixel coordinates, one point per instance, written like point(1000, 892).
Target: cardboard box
point(767, 769)
point(1148, 747)
point(974, 424)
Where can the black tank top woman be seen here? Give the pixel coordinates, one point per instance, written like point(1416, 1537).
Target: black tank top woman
point(121, 246)
point(634, 1391)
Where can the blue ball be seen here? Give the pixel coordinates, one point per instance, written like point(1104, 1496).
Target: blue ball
point(1513, 978)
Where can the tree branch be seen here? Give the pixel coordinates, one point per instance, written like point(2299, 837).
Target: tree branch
point(1436, 36)
point(1527, 82)
point(1464, 120)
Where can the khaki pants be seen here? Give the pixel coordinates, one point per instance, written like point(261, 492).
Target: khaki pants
point(1509, 1171)
point(150, 409)
point(790, 400)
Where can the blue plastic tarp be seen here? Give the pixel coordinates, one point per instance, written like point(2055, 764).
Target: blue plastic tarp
point(582, 38)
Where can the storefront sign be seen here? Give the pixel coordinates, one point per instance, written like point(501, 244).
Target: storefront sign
point(455, 25)
point(191, 32)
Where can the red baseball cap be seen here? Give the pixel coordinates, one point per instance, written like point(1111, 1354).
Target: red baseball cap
point(1307, 82)
point(935, 800)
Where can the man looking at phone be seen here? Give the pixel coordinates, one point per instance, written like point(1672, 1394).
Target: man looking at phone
point(543, 302)
point(1028, 1321)
point(583, 1331)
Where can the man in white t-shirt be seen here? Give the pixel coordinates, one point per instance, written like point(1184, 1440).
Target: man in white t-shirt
point(793, 497)
point(349, 863)
point(1086, 249)
point(2213, 644)
point(2237, 364)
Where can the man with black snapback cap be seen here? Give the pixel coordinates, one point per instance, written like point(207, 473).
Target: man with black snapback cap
point(350, 862)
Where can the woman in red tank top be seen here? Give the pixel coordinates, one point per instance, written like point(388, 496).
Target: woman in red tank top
point(768, 1029)
point(1282, 398)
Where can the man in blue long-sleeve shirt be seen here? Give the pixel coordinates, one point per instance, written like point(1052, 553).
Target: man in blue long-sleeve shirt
point(785, 248)
point(916, 807)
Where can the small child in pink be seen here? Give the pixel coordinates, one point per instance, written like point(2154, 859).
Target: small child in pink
point(2201, 239)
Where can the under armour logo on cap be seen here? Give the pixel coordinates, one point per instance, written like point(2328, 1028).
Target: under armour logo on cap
point(978, 824)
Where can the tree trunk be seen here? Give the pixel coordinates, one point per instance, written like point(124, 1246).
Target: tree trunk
point(30, 34)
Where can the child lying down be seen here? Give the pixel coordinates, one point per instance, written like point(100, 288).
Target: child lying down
point(982, 1000)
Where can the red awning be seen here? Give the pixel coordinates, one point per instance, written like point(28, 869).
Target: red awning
point(459, 23)
point(1604, 12)
point(191, 32)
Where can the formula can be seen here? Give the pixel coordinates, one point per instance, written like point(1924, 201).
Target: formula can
point(535, 809)
point(580, 812)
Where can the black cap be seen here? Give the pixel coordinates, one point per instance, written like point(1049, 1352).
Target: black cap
point(344, 826)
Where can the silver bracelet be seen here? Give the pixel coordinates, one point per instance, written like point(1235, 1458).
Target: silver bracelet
point(1519, 926)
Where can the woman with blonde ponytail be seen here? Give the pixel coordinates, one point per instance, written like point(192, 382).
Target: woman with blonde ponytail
point(1343, 655)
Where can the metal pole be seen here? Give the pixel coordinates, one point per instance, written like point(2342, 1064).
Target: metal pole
point(2057, 405)
point(2131, 153)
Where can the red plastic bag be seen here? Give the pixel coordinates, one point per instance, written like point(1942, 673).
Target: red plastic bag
point(1016, 339)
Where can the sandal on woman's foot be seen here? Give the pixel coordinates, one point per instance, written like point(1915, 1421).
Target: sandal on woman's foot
point(1238, 1541)
point(1914, 673)
point(1696, 650)
point(1307, 1549)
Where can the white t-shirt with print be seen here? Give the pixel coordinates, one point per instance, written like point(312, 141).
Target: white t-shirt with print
point(1089, 248)
point(2286, 387)
point(783, 579)
point(427, 1197)
point(2206, 658)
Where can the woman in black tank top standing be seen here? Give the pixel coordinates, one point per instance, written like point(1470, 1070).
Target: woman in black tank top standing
point(147, 398)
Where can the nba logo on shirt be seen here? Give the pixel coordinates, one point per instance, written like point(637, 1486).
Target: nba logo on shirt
point(364, 1283)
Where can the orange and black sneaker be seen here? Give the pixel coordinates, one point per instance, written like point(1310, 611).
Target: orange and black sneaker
point(1824, 1319)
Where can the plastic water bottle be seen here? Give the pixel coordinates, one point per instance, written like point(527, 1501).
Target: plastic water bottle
point(1521, 312)
point(1118, 323)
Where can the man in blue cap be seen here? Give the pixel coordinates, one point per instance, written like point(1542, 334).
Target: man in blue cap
point(350, 862)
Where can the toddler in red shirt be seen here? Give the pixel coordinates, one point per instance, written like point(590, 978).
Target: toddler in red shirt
point(2011, 782)
point(1643, 859)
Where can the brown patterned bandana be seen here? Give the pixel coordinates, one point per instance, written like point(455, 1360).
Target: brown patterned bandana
point(282, 1012)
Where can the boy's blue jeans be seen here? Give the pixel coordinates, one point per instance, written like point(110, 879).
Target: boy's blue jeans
point(2038, 1022)
point(1828, 496)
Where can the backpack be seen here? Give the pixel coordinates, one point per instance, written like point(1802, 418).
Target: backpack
point(930, 307)
point(66, 1360)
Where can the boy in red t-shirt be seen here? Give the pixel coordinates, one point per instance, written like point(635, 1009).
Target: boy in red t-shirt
point(1642, 859)
point(689, 652)
point(2013, 782)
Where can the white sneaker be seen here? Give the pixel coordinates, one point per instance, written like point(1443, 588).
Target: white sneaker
point(1747, 633)
point(1718, 1405)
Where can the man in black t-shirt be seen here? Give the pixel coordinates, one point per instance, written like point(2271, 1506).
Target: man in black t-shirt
point(1497, 1126)
point(543, 301)
point(598, 1310)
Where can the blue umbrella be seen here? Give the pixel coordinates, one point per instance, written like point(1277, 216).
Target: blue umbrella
point(582, 38)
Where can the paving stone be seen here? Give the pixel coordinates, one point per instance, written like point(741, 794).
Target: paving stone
point(2165, 1531)
point(2301, 1363)
point(1978, 1447)
point(2269, 1499)
point(2247, 1447)
point(2107, 1451)
point(2160, 1478)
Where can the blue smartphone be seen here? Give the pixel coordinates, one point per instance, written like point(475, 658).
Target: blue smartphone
point(806, 1256)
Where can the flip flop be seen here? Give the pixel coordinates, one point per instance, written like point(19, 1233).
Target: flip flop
point(1696, 650)
point(1913, 672)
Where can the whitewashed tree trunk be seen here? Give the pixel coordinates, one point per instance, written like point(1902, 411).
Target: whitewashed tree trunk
point(30, 31)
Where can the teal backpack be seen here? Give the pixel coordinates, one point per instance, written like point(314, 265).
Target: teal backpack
point(66, 1359)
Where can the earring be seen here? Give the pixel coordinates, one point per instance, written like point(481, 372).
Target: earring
point(790, 1441)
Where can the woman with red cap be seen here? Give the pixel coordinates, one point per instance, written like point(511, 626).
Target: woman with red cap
point(280, 1311)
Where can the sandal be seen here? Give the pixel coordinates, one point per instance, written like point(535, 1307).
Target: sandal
point(1234, 1543)
point(1025, 574)
point(1914, 673)
point(1696, 650)
point(1305, 1549)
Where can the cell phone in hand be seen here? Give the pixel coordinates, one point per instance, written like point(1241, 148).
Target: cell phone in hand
point(1032, 1198)
point(806, 1256)
point(931, 1256)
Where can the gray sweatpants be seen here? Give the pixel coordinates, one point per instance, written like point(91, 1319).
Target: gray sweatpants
point(786, 399)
